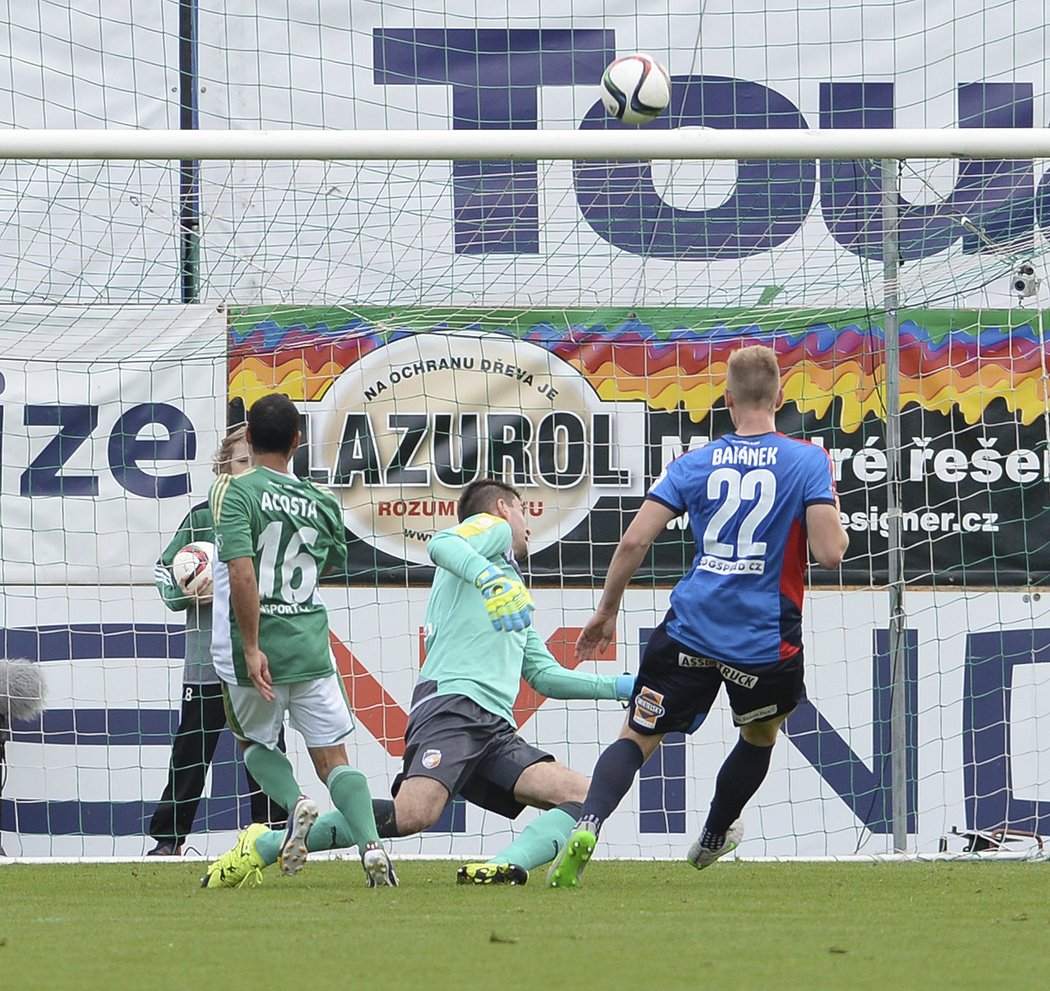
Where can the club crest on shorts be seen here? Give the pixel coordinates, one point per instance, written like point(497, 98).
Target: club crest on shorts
point(431, 759)
point(648, 707)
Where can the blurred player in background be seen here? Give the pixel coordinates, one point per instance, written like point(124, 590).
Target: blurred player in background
point(203, 716)
point(275, 534)
point(461, 739)
point(754, 498)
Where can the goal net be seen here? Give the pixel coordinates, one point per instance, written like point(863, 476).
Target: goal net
point(564, 324)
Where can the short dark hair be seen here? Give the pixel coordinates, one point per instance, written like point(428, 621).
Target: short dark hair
point(481, 497)
point(273, 422)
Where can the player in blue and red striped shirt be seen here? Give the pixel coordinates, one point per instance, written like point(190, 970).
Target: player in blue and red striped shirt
point(755, 500)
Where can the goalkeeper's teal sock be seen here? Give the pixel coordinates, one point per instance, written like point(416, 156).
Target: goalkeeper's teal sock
point(330, 832)
point(350, 795)
point(268, 845)
point(274, 773)
point(540, 841)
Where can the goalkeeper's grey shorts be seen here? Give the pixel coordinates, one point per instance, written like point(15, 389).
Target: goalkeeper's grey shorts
point(474, 753)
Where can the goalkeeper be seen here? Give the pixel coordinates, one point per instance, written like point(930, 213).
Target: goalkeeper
point(460, 738)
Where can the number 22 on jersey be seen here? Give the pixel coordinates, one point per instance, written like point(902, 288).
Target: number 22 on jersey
point(729, 545)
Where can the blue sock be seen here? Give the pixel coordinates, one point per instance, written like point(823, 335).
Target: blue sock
point(738, 779)
point(613, 776)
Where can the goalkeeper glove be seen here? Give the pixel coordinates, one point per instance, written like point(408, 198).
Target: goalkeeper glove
point(508, 601)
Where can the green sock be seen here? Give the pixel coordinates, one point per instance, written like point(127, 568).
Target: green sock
point(540, 841)
point(350, 795)
point(330, 832)
point(274, 773)
point(268, 844)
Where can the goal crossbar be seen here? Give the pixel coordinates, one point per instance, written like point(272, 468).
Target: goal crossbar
point(686, 143)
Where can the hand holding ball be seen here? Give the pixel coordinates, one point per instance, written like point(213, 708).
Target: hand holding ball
point(636, 88)
point(191, 569)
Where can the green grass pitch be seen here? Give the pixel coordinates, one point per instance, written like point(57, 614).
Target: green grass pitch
point(637, 926)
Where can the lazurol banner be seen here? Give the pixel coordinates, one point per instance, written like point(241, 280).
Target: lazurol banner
point(403, 430)
point(400, 431)
point(582, 410)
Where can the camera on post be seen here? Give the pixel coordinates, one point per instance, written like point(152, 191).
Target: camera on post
point(1025, 282)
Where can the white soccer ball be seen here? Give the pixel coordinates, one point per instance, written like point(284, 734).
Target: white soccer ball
point(636, 88)
point(191, 567)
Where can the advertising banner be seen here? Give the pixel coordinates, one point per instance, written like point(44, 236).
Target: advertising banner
point(110, 415)
point(583, 409)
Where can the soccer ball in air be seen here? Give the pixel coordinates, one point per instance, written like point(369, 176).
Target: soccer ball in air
point(636, 88)
point(191, 567)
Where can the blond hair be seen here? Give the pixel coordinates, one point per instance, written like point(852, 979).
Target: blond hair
point(754, 377)
point(223, 458)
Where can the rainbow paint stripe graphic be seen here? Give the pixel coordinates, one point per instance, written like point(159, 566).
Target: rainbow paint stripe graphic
point(949, 359)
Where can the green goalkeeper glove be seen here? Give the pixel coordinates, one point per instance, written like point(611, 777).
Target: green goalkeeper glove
point(507, 600)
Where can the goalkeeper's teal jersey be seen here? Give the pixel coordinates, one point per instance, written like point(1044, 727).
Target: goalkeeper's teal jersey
point(197, 667)
point(292, 530)
point(464, 654)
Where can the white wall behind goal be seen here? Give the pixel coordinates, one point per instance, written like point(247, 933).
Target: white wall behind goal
point(94, 757)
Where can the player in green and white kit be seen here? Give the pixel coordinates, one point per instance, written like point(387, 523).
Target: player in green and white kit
point(274, 535)
point(203, 715)
point(461, 738)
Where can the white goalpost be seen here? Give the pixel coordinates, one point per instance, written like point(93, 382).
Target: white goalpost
point(694, 144)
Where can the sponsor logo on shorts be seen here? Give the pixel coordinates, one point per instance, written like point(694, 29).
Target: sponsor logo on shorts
point(737, 677)
point(755, 715)
point(431, 759)
point(648, 707)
